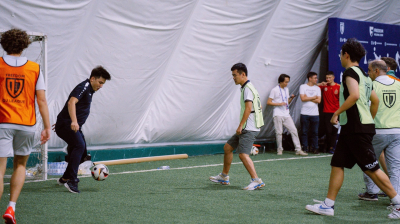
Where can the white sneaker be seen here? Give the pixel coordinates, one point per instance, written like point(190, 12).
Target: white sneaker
point(220, 179)
point(321, 209)
point(301, 153)
point(254, 184)
point(395, 214)
point(279, 152)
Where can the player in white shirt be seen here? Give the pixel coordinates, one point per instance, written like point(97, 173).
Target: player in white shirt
point(310, 95)
point(280, 100)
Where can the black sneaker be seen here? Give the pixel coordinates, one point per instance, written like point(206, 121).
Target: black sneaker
point(72, 187)
point(61, 181)
point(368, 197)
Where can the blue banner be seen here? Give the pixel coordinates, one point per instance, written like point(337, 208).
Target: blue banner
point(378, 39)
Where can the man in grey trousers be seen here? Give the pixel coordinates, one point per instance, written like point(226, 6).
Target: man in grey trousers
point(387, 125)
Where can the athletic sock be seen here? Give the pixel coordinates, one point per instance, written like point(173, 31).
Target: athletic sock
point(12, 204)
point(396, 200)
point(328, 202)
point(224, 175)
point(255, 179)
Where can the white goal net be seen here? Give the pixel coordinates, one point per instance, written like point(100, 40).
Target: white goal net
point(37, 163)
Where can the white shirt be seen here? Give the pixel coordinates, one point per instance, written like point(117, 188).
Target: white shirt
point(279, 95)
point(250, 123)
point(309, 108)
point(384, 79)
point(16, 62)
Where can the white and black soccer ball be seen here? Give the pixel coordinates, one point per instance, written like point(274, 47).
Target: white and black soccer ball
point(254, 151)
point(99, 172)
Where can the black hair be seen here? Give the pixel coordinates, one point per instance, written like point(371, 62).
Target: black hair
point(240, 67)
point(282, 78)
point(330, 73)
point(99, 71)
point(354, 48)
point(310, 74)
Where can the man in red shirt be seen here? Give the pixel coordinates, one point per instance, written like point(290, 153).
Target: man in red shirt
point(330, 94)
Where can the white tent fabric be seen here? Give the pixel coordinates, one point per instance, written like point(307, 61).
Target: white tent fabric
point(170, 60)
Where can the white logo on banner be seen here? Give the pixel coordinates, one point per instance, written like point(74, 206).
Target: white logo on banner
point(341, 27)
point(375, 32)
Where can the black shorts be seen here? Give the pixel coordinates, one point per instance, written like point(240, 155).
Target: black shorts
point(354, 149)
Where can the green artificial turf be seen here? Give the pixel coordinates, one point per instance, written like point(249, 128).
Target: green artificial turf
point(185, 195)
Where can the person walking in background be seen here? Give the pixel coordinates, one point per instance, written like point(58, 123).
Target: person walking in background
point(70, 120)
point(280, 100)
point(251, 120)
point(391, 68)
point(387, 126)
point(21, 81)
point(330, 96)
point(310, 96)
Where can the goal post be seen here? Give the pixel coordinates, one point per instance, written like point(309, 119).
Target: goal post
point(37, 52)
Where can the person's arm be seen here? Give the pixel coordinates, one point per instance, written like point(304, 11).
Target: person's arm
point(305, 98)
point(317, 100)
point(44, 112)
point(72, 113)
point(270, 103)
point(374, 104)
point(322, 84)
point(247, 110)
point(354, 95)
point(291, 98)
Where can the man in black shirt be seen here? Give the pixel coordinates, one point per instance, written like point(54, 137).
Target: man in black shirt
point(357, 129)
point(69, 124)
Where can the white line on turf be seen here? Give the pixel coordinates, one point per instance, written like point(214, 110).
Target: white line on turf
point(192, 167)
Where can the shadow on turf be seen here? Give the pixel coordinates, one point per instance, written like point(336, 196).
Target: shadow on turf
point(56, 188)
point(220, 187)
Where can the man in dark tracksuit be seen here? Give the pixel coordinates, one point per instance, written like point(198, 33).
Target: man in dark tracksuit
point(69, 124)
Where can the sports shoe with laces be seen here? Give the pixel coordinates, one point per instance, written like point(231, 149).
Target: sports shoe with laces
point(395, 214)
point(368, 197)
point(301, 153)
point(72, 187)
point(321, 208)
point(61, 181)
point(220, 179)
point(254, 184)
point(9, 216)
point(279, 152)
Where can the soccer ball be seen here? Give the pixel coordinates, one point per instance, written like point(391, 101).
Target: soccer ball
point(99, 172)
point(254, 151)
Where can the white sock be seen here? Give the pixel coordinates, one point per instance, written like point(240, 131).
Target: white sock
point(396, 200)
point(328, 202)
point(224, 175)
point(12, 204)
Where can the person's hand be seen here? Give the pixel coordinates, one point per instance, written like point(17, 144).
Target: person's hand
point(74, 126)
point(334, 119)
point(315, 97)
point(239, 130)
point(292, 96)
point(45, 136)
point(283, 104)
